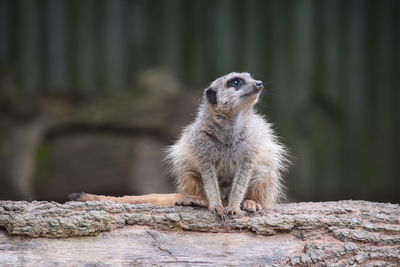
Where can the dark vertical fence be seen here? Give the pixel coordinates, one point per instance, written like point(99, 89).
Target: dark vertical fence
point(56, 46)
point(85, 47)
point(331, 68)
point(4, 30)
point(30, 55)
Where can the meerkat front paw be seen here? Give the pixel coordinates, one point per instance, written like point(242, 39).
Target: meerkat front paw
point(218, 210)
point(251, 206)
point(232, 210)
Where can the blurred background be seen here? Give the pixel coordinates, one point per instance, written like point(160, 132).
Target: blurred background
point(92, 91)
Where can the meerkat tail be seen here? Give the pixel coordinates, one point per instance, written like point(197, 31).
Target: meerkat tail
point(155, 199)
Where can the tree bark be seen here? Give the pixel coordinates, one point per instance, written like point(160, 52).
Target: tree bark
point(95, 233)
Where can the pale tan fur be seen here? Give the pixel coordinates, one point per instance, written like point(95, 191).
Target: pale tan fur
point(229, 156)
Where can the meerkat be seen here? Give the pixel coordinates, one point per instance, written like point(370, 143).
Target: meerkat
point(227, 160)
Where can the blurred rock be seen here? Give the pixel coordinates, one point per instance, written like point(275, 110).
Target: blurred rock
point(17, 157)
point(158, 101)
point(99, 163)
point(110, 144)
point(146, 174)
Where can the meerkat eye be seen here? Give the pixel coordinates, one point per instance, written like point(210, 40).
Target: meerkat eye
point(235, 82)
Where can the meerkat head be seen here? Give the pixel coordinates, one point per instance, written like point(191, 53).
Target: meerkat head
point(233, 92)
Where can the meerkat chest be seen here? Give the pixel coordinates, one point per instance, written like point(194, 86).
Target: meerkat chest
point(228, 154)
point(226, 148)
point(226, 166)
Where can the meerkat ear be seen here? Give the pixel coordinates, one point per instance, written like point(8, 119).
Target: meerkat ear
point(211, 96)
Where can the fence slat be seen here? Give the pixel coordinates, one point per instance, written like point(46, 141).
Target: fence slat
point(29, 43)
point(57, 62)
point(114, 44)
point(4, 30)
point(86, 48)
point(355, 93)
point(172, 46)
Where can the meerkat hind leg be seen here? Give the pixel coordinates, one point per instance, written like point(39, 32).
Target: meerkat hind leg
point(192, 192)
point(251, 205)
point(260, 195)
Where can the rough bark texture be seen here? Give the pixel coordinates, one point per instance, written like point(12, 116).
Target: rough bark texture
point(329, 233)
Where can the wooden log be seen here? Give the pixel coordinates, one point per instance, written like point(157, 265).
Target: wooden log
point(95, 233)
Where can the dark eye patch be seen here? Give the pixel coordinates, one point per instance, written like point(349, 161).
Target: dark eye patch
point(235, 82)
point(211, 95)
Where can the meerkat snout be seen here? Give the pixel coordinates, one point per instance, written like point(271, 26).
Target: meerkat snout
point(259, 85)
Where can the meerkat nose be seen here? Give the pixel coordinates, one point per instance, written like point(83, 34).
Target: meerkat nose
point(259, 85)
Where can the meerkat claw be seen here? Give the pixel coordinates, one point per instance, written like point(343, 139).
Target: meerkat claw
point(217, 210)
point(231, 210)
